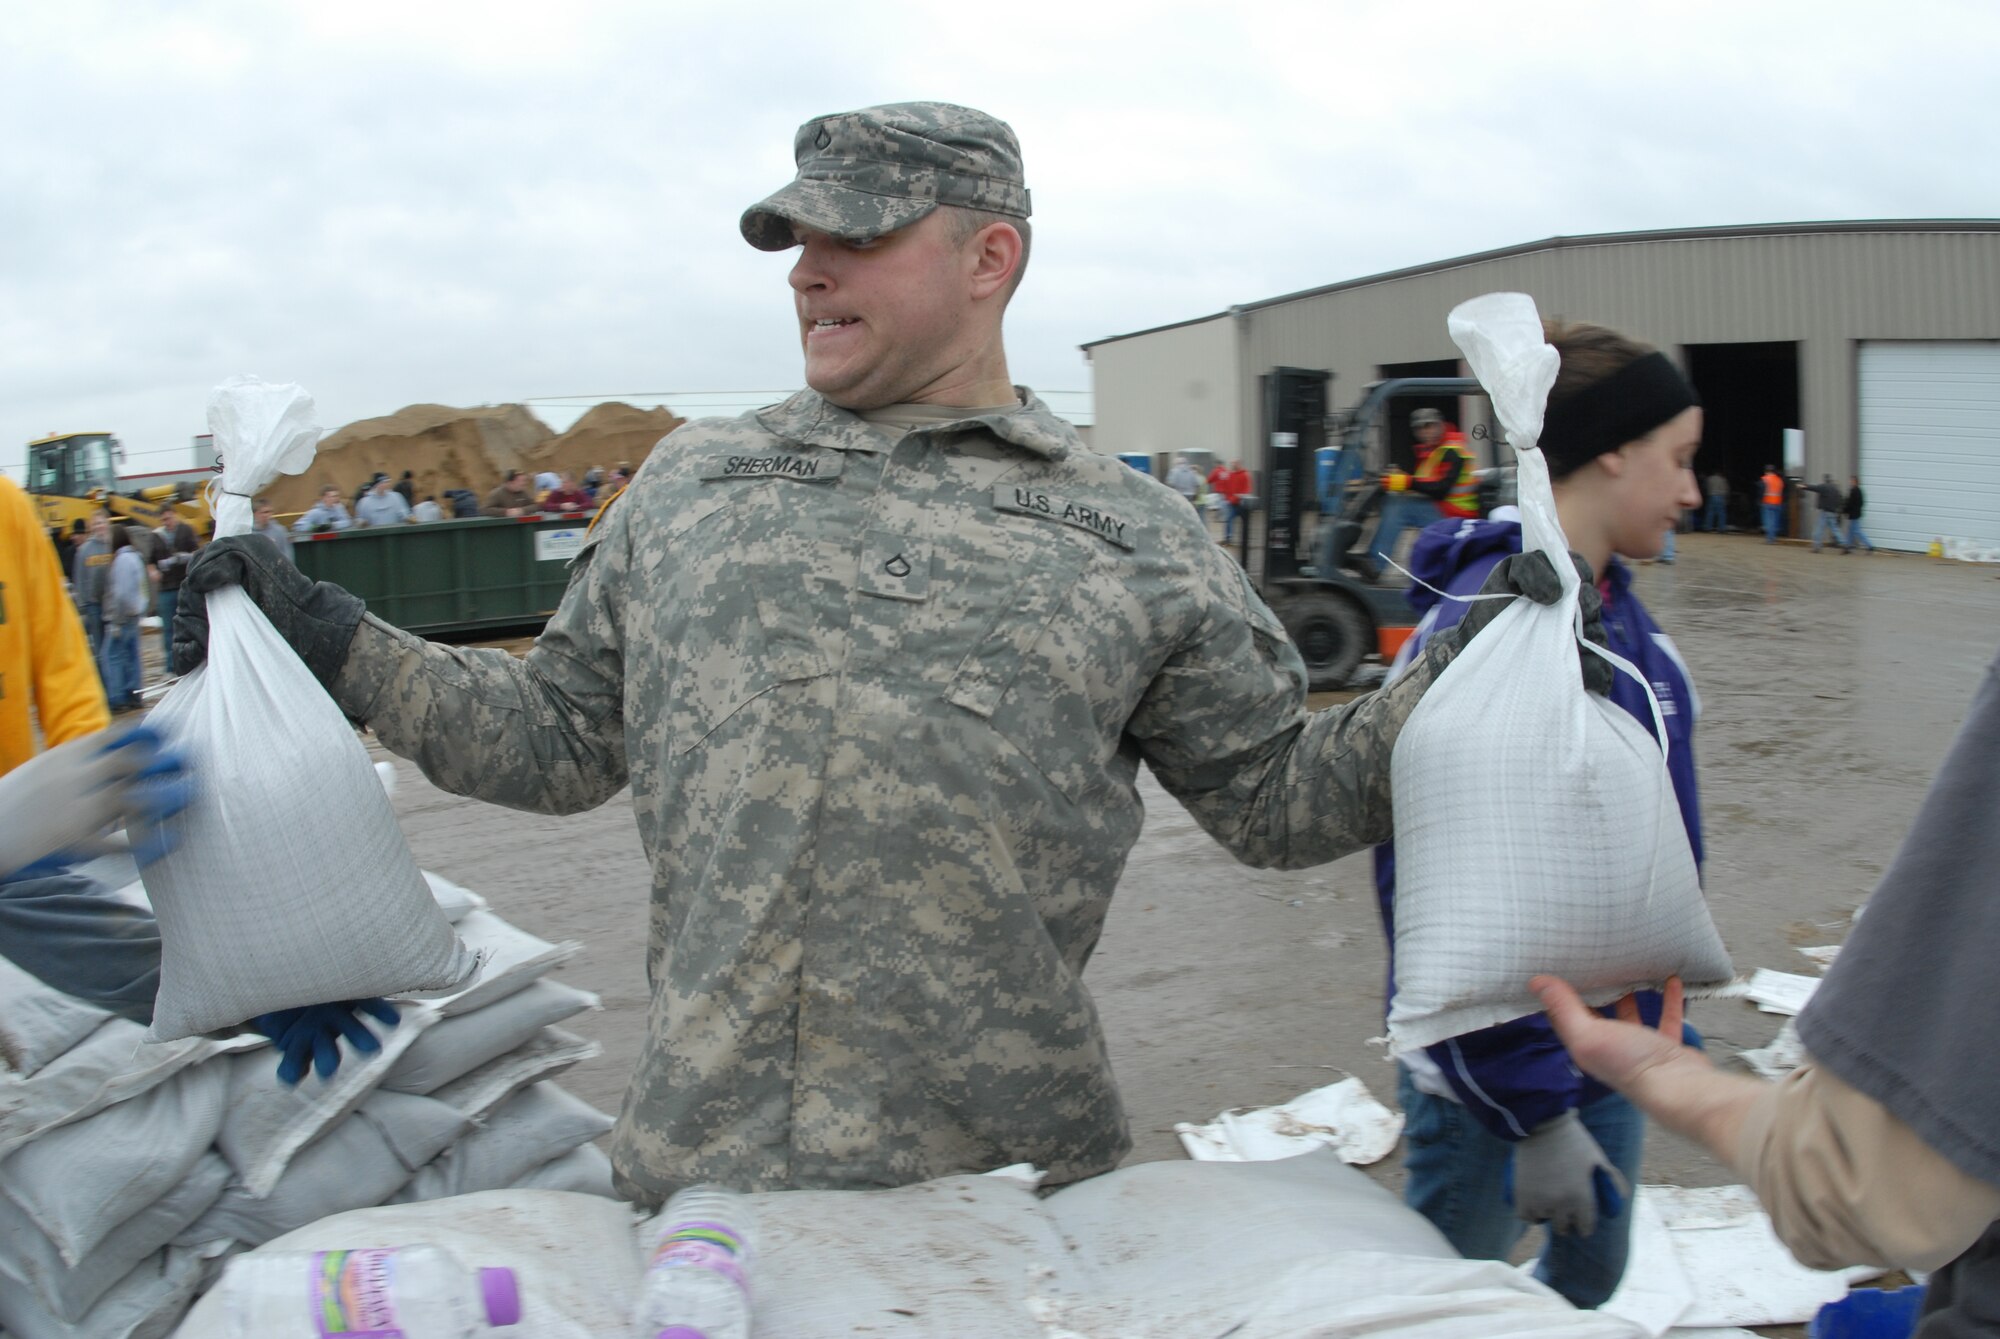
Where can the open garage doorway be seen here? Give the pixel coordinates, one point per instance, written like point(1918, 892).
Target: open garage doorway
point(1401, 441)
point(1749, 396)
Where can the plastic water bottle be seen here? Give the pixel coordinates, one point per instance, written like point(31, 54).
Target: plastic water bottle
point(697, 1283)
point(412, 1292)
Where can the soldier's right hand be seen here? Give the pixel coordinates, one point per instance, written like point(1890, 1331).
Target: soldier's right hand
point(316, 617)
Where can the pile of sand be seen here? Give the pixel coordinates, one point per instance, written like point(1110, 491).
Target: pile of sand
point(447, 448)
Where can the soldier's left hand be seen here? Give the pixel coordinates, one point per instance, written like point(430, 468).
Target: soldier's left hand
point(1532, 576)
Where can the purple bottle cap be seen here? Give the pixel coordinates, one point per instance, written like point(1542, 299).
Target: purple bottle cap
point(680, 1332)
point(501, 1295)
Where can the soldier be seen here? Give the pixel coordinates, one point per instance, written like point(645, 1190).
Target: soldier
point(880, 664)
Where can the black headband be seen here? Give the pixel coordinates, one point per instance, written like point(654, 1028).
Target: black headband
point(1606, 414)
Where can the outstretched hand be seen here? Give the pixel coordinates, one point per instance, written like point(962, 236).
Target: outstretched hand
point(1618, 1052)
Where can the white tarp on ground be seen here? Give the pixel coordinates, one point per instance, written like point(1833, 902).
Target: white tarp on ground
point(1708, 1258)
point(1343, 1116)
point(1305, 1248)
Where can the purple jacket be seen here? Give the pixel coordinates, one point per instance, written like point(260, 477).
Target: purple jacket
point(1516, 1075)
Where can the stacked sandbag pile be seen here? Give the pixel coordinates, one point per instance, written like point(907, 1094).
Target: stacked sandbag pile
point(129, 1169)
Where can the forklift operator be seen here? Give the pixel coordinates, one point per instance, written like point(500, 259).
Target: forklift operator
point(880, 664)
point(1446, 483)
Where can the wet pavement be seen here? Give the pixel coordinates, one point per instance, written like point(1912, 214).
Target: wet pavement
point(1830, 685)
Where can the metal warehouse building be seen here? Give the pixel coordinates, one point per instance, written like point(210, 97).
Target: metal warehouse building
point(1880, 340)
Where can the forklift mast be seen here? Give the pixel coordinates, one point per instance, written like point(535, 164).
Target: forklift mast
point(1294, 431)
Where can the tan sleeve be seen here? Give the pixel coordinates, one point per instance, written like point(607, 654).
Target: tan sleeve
point(1846, 1183)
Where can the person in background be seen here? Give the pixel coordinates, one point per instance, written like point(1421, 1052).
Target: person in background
point(427, 512)
point(1772, 503)
point(89, 568)
point(1826, 526)
point(1717, 509)
point(566, 498)
point(1850, 509)
point(593, 481)
point(124, 605)
point(1230, 484)
point(324, 516)
point(1883, 1146)
point(1446, 483)
point(1185, 480)
point(263, 521)
point(547, 482)
point(382, 505)
point(1503, 1104)
point(513, 497)
point(407, 487)
point(176, 548)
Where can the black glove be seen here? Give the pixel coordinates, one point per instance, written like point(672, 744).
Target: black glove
point(1533, 576)
point(317, 618)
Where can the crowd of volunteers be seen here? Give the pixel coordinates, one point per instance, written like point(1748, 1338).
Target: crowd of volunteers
point(880, 665)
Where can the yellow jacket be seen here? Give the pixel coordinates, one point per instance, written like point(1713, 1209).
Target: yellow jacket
point(45, 660)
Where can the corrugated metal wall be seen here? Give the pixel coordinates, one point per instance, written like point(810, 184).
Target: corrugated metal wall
point(1826, 290)
point(1176, 390)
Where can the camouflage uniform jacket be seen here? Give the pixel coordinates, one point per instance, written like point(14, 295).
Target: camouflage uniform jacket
point(882, 703)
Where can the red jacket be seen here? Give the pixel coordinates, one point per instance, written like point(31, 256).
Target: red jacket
point(1232, 484)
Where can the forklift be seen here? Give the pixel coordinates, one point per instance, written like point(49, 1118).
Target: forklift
point(1337, 618)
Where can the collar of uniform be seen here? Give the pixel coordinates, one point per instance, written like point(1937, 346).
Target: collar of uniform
point(808, 417)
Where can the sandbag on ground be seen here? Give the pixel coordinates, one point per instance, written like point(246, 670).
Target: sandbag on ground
point(269, 1121)
point(145, 1304)
point(68, 1294)
point(581, 1171)
point(80, 1182)
point(510, 959)
point(38, 1023)
point(527, 1130)
point(360, 1162)
point(113, 1064)
point(543, 1056)
point(457, 1046)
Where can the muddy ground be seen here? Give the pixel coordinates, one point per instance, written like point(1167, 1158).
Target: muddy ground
point(1830, 685)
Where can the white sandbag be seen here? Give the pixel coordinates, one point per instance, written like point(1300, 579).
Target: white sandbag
point(581, 1171)
point(543, 1056)
point(457, 1046)
point(39, 1022)
point(360, 1162)
point(146, 1304)
point(510, 960)
point(81, 1181)
point(1569, 855)
point(111, 1065)
point(68, 1294)
point(269, 1121)
point(290, 883)
point(574, 1257)
point(529, 1129)
point(455, 900)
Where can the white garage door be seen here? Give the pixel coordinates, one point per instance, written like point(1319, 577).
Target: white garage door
point(1930, 441)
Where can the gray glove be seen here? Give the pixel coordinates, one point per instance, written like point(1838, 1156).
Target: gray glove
point(1562, 1177)
point(1531, 575)
point(56, 807)
point(316, 617)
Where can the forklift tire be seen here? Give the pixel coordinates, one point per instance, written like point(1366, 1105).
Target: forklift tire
point(1333, 634)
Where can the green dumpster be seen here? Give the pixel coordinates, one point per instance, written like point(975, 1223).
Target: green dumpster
point(451, 577)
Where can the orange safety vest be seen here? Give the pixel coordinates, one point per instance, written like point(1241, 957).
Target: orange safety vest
point(1774, 490)
point(1463, 499)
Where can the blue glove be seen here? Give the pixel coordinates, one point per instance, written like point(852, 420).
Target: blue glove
point(311, 1034)
point(56, 807)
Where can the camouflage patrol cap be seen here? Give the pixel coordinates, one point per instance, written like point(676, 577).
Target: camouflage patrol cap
point(866, 173)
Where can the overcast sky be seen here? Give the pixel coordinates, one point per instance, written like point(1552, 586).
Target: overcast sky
point(392, 201)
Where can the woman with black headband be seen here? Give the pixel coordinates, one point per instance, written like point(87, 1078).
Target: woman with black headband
point(1501, 1127)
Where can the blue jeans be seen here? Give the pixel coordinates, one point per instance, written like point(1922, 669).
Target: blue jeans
point(1400, 512)
point(1228, 519)
point(1717, 517)
point(119, 664)
point(167, 601)
point(1774, 514)
point(1827, 528)
point(1667, 553)
point(73, 934)
point(1456, 1172)
point(93, 628)
point(1857, 537)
